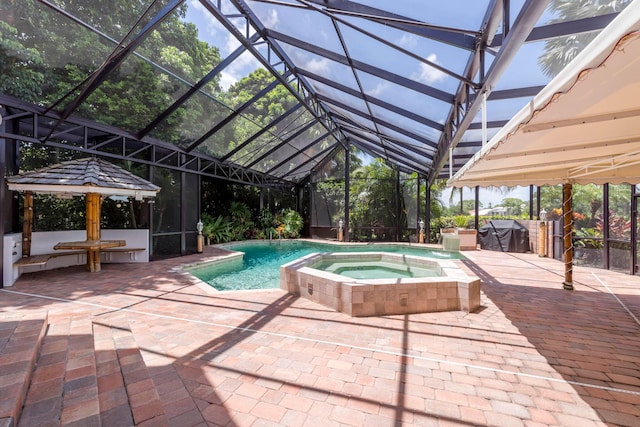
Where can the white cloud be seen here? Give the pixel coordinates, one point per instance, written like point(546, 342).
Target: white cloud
point(198, 6)
point(241, 67)
point(271, 20)
point(318, 66)
point(427, 73)
point(408, 41)
point(217, 35)
point(213, 27)
point(380, 88)
point(227, 80)
point(231, 44)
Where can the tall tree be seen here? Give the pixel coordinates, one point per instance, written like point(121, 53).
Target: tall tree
point(373, 195)
point(560, 51)
point(49, 56)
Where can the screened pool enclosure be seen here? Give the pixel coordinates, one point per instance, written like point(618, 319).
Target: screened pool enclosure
point(349, 111)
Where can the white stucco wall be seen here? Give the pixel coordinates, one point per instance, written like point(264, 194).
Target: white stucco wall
point(42, 242)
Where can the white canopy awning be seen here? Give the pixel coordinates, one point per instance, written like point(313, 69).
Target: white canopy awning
point(583, 127)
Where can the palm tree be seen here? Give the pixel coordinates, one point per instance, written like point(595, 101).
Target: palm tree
point(561, 50)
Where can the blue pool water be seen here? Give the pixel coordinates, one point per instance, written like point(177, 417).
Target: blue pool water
point(260, 266)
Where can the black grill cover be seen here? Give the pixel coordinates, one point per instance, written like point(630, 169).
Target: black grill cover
point(505, 235)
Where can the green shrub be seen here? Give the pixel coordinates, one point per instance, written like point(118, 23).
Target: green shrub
point(217, 230)
point(291, 223)
point(242, 225)
point(589, 238)
point(461, 221)
point(436, 224)
point(267, 223)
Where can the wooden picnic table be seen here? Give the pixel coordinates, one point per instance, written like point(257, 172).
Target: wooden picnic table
point(93, 248)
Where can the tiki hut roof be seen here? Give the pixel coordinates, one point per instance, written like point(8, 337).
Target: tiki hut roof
point(89, 175)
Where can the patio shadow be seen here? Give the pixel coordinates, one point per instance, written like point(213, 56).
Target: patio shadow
point(586, 336)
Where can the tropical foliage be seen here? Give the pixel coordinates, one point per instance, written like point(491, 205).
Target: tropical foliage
point(290, 223)
point(267, 222)
point(589, 238)
point(461, 221)
point(559, 51)
point(240, 224)
point(217, 230)
point(45, 57)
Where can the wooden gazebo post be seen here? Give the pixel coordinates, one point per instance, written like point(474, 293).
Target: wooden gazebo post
point(27, 224)
point(94, 201)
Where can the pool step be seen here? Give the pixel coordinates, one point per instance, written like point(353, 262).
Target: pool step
point(21, 338)
point(175, 383)
point(63, 388)
point(127, 394)
point(89, 371)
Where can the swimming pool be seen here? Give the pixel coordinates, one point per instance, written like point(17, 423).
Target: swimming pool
point(260, 266)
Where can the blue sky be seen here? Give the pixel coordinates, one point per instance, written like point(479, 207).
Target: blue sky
point(317, 29)
point(460, 13)
point(487, 197)
point(211, 31)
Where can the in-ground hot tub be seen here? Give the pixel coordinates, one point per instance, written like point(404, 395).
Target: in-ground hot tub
point(409, 284)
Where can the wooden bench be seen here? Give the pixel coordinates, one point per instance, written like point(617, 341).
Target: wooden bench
point(42, 259)
point(131, 251)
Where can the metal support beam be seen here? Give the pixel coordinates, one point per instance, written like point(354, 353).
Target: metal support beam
point(238, 111)
point(417, 224)
point(476, 215)
point(389, 154)
point(284, 142)
point(312, 106)
point(529, 14)
point(356, 130)
point(369, 98)
point(538, 202)
point(347, 187)
point(375, 120)
point(28, 120)
point(460, 38)
point(336, 19)
point(559, 29)
point(195, 88)
point(531, 203)
point(262, 131)
point(306, 147)
point(363, 66)
point(315, 158)
point(398, 213)
point(427, 212)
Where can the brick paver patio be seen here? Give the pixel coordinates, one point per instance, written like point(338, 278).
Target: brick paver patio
point(143, 344)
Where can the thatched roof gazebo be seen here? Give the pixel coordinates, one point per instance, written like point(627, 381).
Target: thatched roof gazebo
point(91, 177)
point(88, 175)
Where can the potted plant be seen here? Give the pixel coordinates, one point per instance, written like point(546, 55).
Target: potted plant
point(461, 221)
point(468, 236)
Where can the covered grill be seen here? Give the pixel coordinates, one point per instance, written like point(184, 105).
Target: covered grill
point(506, 235)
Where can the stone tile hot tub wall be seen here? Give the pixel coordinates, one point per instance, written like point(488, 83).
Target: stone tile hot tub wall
point(453, 290)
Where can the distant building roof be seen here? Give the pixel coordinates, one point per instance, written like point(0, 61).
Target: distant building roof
point(497, 210)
